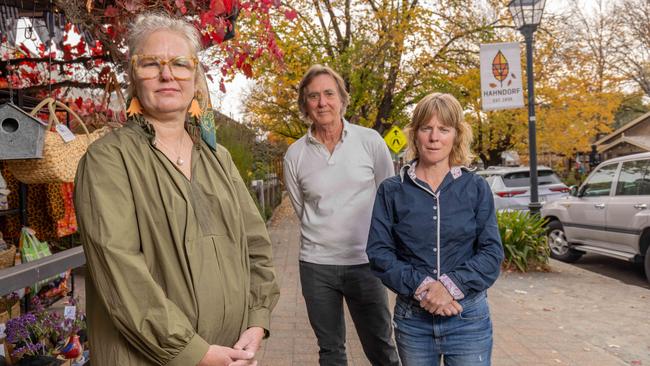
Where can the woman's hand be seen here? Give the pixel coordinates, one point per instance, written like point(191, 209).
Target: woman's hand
point(454, 308)
point(435, 296)
point(226, 356)
point(250, 340)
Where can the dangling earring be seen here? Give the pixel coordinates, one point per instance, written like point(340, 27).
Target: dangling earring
point(195, 108)
point(134, 107)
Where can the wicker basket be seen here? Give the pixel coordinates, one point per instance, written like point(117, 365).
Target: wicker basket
point(60, 159)
point(14, 310)
point(8, 257)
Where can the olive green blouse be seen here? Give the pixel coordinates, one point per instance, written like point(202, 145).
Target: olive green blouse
point(175, 264)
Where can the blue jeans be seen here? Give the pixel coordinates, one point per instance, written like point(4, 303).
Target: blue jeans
point(463, 340)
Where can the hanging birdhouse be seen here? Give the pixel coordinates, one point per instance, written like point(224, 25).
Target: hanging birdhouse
point(21, 135)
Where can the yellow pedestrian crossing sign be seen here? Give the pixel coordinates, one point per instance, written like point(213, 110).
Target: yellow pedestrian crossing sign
point(395, 139)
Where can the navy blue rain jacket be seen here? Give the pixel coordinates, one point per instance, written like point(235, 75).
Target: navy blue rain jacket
point(406, 244)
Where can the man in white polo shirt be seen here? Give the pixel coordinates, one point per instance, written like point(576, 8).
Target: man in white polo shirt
point(332, 174)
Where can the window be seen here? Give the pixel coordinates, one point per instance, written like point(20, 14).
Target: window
point(522, 179)
point(600, 183)
point(634, 179)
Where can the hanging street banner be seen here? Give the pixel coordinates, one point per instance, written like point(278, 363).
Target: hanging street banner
point(501, 76)
point(395, 139)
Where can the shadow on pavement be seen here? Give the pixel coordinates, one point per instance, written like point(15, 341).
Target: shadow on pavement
point(626, 272)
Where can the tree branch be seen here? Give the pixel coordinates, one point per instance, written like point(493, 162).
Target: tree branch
point(61, 84)
point(5, 63)
point(328, 44)
point(340, 41)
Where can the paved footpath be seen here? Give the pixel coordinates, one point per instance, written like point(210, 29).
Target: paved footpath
point(568, 316)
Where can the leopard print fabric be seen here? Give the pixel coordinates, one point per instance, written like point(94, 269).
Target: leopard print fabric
point(46, 208)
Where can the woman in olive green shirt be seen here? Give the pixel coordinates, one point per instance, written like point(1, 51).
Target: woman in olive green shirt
point(179, 257)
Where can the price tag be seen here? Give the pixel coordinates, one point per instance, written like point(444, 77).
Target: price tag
point(69, 312)
point(2, 341)
point(65, 133)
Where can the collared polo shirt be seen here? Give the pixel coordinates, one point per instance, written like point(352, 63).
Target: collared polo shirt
point(333, 194)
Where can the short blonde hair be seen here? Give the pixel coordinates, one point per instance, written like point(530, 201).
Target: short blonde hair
point(148, 23)
point(312, 73)
point(449, 112)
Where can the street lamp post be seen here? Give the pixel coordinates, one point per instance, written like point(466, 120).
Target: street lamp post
point(527, 14)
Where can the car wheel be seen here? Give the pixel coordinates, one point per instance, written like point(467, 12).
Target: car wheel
point(558, 244)
point(647, 263)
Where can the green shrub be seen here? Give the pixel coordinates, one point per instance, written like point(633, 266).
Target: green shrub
point(254, 158)
point(524, 240)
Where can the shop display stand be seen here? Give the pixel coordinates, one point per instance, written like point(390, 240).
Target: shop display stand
point(26, 274)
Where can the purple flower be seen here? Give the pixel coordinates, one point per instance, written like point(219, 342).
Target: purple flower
point(28, 319)
point(41, 332)
point(17, 329)
point(30, 349)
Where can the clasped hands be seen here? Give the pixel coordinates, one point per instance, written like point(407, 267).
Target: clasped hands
point(437, 300)
point(241, 354)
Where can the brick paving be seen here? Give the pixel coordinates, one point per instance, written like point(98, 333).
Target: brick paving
point(539, 318)
point(292, 340)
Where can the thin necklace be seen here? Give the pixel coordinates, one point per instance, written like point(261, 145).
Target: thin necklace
point(179, 160)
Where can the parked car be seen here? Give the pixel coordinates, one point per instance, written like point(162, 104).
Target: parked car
point(607, 215)
point(511, 186)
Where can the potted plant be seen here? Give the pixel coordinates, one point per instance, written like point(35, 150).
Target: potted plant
point(44, 338)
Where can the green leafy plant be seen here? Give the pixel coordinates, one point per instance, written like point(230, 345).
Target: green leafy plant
point(524, 240)
point(255, 158)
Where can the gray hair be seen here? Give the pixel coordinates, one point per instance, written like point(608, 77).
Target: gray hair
point(148, 23)
point(310, 75)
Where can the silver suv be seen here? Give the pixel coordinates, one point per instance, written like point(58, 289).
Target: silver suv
point(607, 215)
point(511, 186)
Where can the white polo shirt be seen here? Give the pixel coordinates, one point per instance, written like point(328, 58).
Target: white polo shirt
point(333, 195)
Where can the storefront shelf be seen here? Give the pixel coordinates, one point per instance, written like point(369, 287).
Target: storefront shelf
point(27, 274)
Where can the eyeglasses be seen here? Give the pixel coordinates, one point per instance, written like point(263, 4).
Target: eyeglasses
point(150, 67)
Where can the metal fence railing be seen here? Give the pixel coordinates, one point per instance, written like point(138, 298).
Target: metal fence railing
point(268, 193)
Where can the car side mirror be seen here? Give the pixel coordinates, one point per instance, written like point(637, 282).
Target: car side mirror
point(573, 190)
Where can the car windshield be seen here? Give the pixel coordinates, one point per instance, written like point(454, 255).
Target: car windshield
point(522, 179)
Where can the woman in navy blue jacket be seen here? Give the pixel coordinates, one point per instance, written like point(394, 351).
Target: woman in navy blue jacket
point(434, 241)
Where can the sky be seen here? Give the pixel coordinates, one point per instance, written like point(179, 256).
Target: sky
point(231, 103)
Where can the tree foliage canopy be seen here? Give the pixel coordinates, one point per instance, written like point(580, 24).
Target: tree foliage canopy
point(591, 68)
point(391, 54)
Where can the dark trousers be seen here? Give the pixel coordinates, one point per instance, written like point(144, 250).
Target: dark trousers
point(324, 287)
